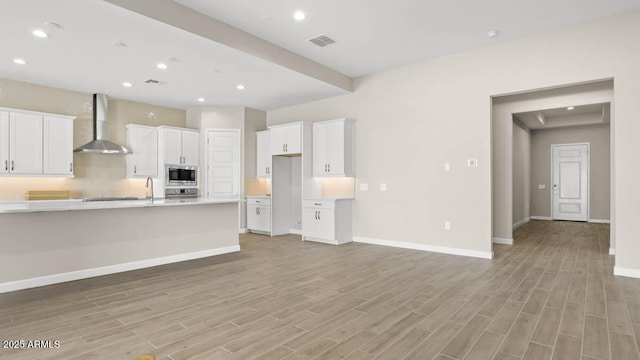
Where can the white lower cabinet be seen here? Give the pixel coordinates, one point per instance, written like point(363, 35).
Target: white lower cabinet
point(327, 221)
point(259, 215)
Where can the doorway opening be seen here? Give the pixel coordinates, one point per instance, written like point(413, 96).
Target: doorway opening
point(527, 129)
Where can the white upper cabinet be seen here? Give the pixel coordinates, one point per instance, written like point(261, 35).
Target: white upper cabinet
point(4, 142)
point(190, 147)
point(263, 154)
point(58, 145)
point(25, 143)
point(181, 146)
point(332, 150)
point(286, 139)
point(143, 143)
point(35, 144)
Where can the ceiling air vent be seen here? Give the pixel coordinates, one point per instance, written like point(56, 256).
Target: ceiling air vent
point(154, 82)
point(322, 40)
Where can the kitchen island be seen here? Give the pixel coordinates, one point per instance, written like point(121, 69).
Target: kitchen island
point(48, 242)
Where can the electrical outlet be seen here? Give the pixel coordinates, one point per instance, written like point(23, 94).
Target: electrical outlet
point(383, 187)
point(447, 167)
point(364, 187)
point(542, 186)
point(447, 225)
point(472, 163)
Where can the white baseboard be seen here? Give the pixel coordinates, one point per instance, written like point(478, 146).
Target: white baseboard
point(521, 222)
point(600, 221)
point(502, 241)
point(612, 251)
point(423, 247)
point(633, 273)
point(111, 269)
point(324, 241)
point(548, 218)
point(243, 231)
point(295, 231)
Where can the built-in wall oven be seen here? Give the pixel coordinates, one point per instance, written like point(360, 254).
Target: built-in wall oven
point(181, 181)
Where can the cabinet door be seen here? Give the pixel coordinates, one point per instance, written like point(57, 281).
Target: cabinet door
point(294, 139)
point(25, 143)
point(278, 140)
point(320, 161)
point(172, 146)
point(263, 155)
point(259, 218)
point(58, 145)
point(335, 148)
point(191, 148)
point(143, 143)
point(318, 223)
point(4, 142)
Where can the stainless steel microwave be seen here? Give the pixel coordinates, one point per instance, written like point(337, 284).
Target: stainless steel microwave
point(181, 175)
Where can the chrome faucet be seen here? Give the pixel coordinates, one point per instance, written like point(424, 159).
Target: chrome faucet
point(149, 179)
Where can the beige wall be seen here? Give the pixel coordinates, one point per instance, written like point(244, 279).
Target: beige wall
point(521, 173)
point(599, 194)
point(95, 174)
point(413, 119)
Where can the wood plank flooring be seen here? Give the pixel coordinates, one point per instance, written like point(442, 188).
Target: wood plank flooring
point(552, 295)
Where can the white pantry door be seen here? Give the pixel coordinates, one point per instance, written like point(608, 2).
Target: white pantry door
point(223, 163)
point(570, 182)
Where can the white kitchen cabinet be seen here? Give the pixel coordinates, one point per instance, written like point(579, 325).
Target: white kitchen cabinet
point(263, 154)
point(327, 221)
point(35, 144)
point(25, 143)
point(332, 148)
point(259, 215)
point(4, 142)
point(58, 145)
point(286, 139)
point(181, 146)
point(142, 162)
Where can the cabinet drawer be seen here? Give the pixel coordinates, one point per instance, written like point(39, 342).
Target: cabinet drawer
point(319, 204)
point(259, 201)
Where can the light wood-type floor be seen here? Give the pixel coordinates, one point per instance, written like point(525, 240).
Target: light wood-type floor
point(550, 296)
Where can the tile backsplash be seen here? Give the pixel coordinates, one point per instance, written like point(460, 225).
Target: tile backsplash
point(96, 175)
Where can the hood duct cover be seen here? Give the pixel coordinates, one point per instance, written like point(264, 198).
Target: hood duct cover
point(100, 144)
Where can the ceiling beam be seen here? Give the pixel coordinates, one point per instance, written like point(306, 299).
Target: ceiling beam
point(187, 19)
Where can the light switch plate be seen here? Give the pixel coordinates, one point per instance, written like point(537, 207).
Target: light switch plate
point(542, 186)
point(364, 187)
point(383, 187)
point(447, 166)
point(447, 225)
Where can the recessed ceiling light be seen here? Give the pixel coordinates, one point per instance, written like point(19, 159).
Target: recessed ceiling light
point(299, 15)
point(53, 24)
point(119, 44)
point(570, 108)
point(240, 87)
point(127, 84)
point(40, 33)
point(492, 33)
point(162, 66)
point(201, 99)
point(20, 61)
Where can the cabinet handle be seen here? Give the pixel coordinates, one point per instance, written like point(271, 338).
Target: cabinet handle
point(6, 165)
point(13, 165)
point(315, 214)
point(256, 211)
point(71, 167)
point(318, 214)
point(135, 169)
point(282, 147)
point(317, 204)
point(329, 167)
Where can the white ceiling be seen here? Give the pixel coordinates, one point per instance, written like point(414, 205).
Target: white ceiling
point(374, 35)
point(591, 114)
point(371, 36)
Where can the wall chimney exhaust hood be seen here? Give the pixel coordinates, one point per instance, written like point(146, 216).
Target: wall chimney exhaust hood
point(100, 144)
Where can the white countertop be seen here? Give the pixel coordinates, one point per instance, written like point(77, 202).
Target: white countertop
point(8, 207)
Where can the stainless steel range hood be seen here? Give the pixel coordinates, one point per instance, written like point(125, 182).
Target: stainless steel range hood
point(100, 144)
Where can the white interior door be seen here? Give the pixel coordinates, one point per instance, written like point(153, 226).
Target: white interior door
point(570, 182)
point(223, 163)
